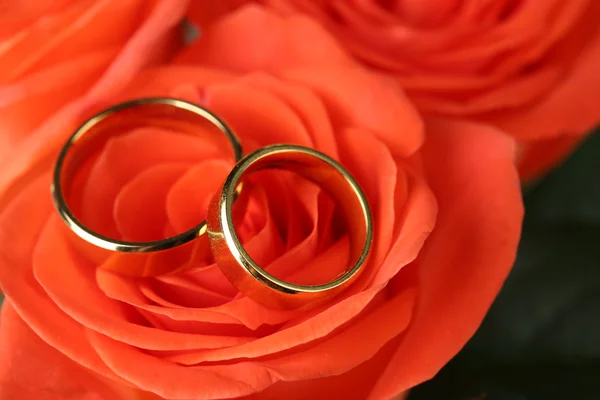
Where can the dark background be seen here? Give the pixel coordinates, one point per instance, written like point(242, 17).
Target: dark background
point(541, 338)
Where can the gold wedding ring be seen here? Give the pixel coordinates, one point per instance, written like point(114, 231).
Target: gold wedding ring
point(133, 258)
point(186, 249)
point(242, 270)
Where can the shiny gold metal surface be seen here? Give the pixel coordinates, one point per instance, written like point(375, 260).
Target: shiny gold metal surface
point(243, 271)
point(133, 258)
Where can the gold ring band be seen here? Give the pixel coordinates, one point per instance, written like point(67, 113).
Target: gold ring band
point(164, 255)
point(242, 270)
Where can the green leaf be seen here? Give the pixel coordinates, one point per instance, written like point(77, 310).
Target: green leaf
point(541, 338)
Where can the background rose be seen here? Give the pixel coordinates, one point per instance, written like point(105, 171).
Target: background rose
point(528, 67)
point(52, 52)
point(191, 335)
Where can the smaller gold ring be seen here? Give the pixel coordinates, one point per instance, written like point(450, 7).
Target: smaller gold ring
point(160, 256)
point(242, 270)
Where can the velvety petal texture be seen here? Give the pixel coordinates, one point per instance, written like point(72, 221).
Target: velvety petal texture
point(444, 195)
point(54, 52)
point(33, 370)
point(527, 67)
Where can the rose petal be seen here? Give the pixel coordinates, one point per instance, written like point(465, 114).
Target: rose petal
point(64, 34)
point(332, 354)
point(306, 233)
point(28, 213)
point(24, 105)
point(242, 378)
point(18, 15)
point(126, 156)
point(48, 59)
point(257, 115)
point(184, 292)
point(414, 226)
point(486, 213)
point(75, 292)
point(557, 112)
point(173, 381)
point(205, 12)
point(139, 208)
point(136, 293)
point(31, 369)
point(131, 291)
point(368, 102)
point(155, 39)
point(187, 200)
point(354, 384)
point(426, 13)
point(322, 268)
point(319, 325)
point(309, 108)
point(551, 22)
point(180, 81)
point(540, 156)
point(524, 89)
point(364, 157)
point(150, 42)
point(277, 42)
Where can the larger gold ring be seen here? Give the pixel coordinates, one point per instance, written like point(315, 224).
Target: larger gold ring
point(242, 270)
point(160, 256)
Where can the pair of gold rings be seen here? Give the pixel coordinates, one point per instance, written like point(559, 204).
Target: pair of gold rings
point(217, 234)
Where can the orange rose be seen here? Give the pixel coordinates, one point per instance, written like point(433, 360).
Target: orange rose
point(52, 52)
point(70, 328)
point(529, 68)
